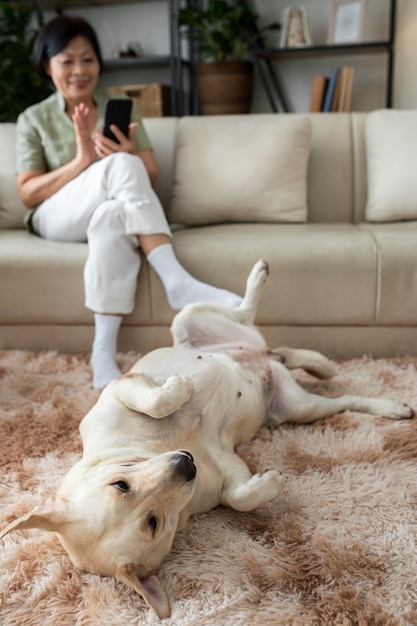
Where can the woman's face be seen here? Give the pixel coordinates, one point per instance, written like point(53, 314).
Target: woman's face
point(75, 71)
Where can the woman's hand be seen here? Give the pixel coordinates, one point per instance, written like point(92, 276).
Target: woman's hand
point(105, 146)
point(84, 120)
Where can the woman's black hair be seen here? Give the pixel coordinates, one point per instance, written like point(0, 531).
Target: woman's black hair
point(56, 35)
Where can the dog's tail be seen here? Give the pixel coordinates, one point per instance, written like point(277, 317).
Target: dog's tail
point(312, 362)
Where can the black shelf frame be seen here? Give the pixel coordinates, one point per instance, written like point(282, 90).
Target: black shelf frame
point(125, 63)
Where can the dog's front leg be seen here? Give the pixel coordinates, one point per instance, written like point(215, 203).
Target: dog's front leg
point(244, 491)
point(140, 393)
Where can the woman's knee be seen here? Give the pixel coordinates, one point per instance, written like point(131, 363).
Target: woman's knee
point(124, 160)
point(109, 215)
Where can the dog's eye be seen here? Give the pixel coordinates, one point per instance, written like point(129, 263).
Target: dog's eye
point(153, 523)
point(121, 485)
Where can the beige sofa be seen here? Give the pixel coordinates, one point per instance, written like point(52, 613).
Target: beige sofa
point(337, 283)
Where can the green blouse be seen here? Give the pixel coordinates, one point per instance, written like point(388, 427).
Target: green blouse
point(46, 138)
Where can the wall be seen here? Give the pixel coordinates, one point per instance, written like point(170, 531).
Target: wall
point(406, 63)
point(148, 23)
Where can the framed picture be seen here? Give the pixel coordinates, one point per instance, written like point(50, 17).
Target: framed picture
point(347, 23)
point(295, 25)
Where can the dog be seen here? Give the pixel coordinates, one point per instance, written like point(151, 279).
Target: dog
point(159, 444)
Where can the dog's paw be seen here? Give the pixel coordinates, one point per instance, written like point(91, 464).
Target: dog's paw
point(276, 479)
point(261, 271)
point(179, 388)
point(258, 275)
point(257, 491)
point(271, 483)
point(396, 410)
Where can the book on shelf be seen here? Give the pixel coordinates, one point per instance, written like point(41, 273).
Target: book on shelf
point(333, 93)
point(330, 91)
point(349, 89)
point(318, 91)
point(344, 103)
point(337, 91)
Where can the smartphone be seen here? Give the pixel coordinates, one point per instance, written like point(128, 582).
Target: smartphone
point(118, 112)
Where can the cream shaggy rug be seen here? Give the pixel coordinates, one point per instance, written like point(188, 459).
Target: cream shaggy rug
point(338, 548)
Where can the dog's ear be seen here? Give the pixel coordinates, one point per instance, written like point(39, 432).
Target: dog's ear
point(148, 587)
point(45, 517)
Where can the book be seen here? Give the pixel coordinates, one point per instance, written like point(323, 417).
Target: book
point(330, 91)
point(318, 91)
point(343, 82)
point(346, 89)
point(336, 97)
point(349, 88)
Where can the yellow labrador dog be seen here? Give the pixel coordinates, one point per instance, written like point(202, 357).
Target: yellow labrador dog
point(159, 445)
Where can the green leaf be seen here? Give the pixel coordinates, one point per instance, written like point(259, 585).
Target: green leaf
point(223, 29)
point(19, 84)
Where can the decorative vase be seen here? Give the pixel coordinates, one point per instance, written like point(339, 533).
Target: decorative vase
point(225, 87)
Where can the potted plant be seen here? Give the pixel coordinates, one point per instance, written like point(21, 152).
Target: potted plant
point(19, 85)
point(224, 33)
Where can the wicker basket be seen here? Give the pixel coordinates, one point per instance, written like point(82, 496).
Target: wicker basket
point(225, 87)
point(152, 100)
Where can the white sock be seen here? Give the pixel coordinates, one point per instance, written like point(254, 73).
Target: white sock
point(103, 355)
point(182, 288)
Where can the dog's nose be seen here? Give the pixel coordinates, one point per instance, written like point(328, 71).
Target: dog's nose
point(190, 456)
point(183, 464)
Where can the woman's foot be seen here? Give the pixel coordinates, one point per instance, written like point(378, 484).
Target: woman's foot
point(192, 290)
point(182, 288)
point(103, 354)
point(105, 368)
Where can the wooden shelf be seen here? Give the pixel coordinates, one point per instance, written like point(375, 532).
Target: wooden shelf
point(263, 58)
point(126, 63)
point(374, 47)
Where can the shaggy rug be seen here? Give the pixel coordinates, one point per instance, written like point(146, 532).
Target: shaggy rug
point(338, 548)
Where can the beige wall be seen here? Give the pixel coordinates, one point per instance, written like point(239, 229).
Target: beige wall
point(406, 56)
point(148, 22)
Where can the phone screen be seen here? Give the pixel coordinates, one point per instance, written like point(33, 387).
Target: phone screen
point(118, 112)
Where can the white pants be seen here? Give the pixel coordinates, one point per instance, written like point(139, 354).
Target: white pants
point(107, 205)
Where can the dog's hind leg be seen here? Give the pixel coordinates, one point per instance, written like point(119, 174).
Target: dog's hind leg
point(244, 491)
point(290, 403)
point(309, 360)
point(245, 313)
point(204, 324)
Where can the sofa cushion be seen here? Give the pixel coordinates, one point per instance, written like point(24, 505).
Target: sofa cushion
point(396, 302)
point(42, 282)
point(320, 274)
point(391, 149)
point(251, 169)
point(12, 210)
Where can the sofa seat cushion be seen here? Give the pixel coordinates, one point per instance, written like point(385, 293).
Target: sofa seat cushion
point(397, 275)
point(251, 170)
point(320, 274)
point(42, 282)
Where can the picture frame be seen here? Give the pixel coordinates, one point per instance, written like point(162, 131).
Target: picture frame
point(295, 32)
point(347, 22)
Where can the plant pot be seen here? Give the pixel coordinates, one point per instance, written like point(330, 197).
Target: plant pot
point(225, 87)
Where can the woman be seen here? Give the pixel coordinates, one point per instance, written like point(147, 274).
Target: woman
point(82, 186)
